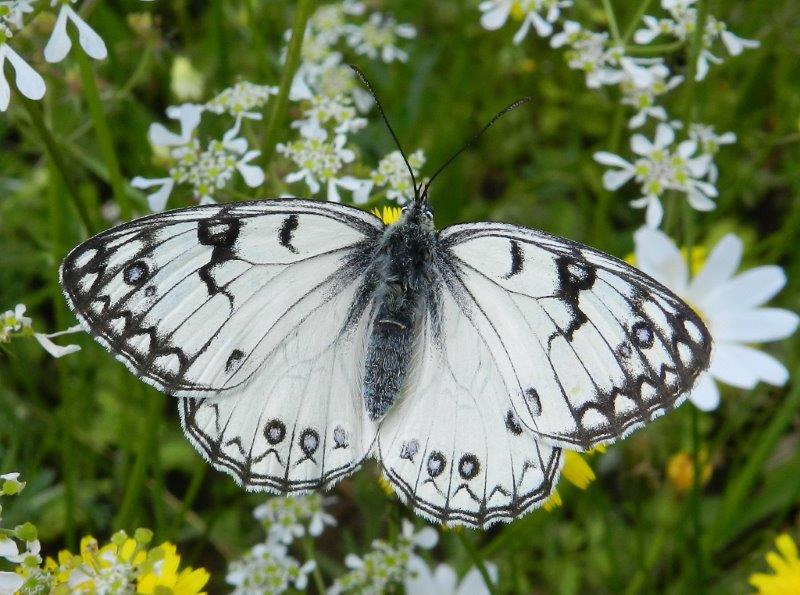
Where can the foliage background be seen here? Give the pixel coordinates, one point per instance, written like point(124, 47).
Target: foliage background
point(100, 451)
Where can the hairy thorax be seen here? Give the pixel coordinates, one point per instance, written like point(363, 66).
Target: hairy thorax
point(404, 270)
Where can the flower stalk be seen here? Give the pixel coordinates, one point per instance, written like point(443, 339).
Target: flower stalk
point(280, 104)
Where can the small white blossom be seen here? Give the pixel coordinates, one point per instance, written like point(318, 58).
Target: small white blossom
point(286, 519)
point(539, 14)
point(242, 99)
point(321, 160)
point(267, 568)
point(659, 168)
point(59, 44)
point(643, 97)
point(14, 322)
point(379, 37)
point(710, 142)
point(731, 305)
point(681, 25)
point(386, 565)
point(323, 110)
point(444, 580)
point(206, 168)
point(392, 174)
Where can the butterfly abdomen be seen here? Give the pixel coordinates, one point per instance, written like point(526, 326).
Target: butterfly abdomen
point(403, 267)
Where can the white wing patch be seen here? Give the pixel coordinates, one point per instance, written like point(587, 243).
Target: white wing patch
point(254, 312)
point(452, 445)
point(588, 348)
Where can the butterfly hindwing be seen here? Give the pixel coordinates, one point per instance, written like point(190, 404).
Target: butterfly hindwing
point(253, 312)
point(452, 446)
point(588, 347)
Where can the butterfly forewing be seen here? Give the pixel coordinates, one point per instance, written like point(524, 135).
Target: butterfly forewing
point(588, 347)
point(192, 301)
point(254, 313)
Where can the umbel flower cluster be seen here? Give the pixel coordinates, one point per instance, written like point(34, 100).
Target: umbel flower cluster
point(331, 104)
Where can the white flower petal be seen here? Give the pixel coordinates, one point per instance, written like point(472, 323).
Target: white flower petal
point(611, 159)
point(90, 41)
point(5, 88)
point(59, 44)
point(52, 348)
point(28, 81)
point(665, 136)
point(426, 538)
point(10, 582)
point(720, 266)
point(640, 145)
point(727, 367)
point(658, 256)
point(616, 178)
point(758, 325)
point(750, 289)
point(700, 202)
point(705, 394)
point(8, 547)
point(765, 367)
point(495, 14)
point(654, 213)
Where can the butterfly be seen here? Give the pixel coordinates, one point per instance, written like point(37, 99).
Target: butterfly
point(302, 337)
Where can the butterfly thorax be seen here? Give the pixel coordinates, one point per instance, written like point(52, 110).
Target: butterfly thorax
point(404, 271)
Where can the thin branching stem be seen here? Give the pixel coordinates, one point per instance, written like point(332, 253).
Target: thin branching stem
point(613, 27)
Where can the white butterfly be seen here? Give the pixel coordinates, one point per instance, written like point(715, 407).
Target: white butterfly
point(302, 337)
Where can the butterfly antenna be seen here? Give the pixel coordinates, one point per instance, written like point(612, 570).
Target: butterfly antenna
point(368, 85)
point(474, 139)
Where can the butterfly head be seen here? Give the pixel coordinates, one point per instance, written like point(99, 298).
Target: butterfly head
point(418, 212)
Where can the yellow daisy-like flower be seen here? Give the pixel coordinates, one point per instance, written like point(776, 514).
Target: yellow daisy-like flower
point(786, 565)
point(164, 577)
point(389, 215)
point(577, 471)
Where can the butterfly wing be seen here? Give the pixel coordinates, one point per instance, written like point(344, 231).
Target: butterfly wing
point(588, 347)
point(250, 311)
point(452, 448)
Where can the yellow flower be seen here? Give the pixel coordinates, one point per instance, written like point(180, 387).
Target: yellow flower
point(164, 577)
point(680, 471)
point(576, 471)
point(389, 215)
point(385, 485)
point(786, 565)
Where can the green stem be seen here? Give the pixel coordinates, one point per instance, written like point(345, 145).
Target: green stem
point(57, 158)
point(656, 49)
point(188, 498)
point(612, 22)
point(477, 560)
point(601, 214)
point(223, 61)
point(104, 140)
point(148, 435)
point(308, 546)
point(643, 6)
point(281, 102)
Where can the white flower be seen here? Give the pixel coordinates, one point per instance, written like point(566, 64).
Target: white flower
point(710, 142)
point(206, 169)
point(392, 174)
point(337, 111)
point(318, 159)
point(660, 168)
point(731, 307)
point(267, 568)
point(681, 25)
point(444, 581)
point(14, 322)
point(59, 44)
point(643, 97)
point(541, 14)
point(10, 582)
point(286, 519)
point(242, 99)
point(379, 37)
point(27, 80)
